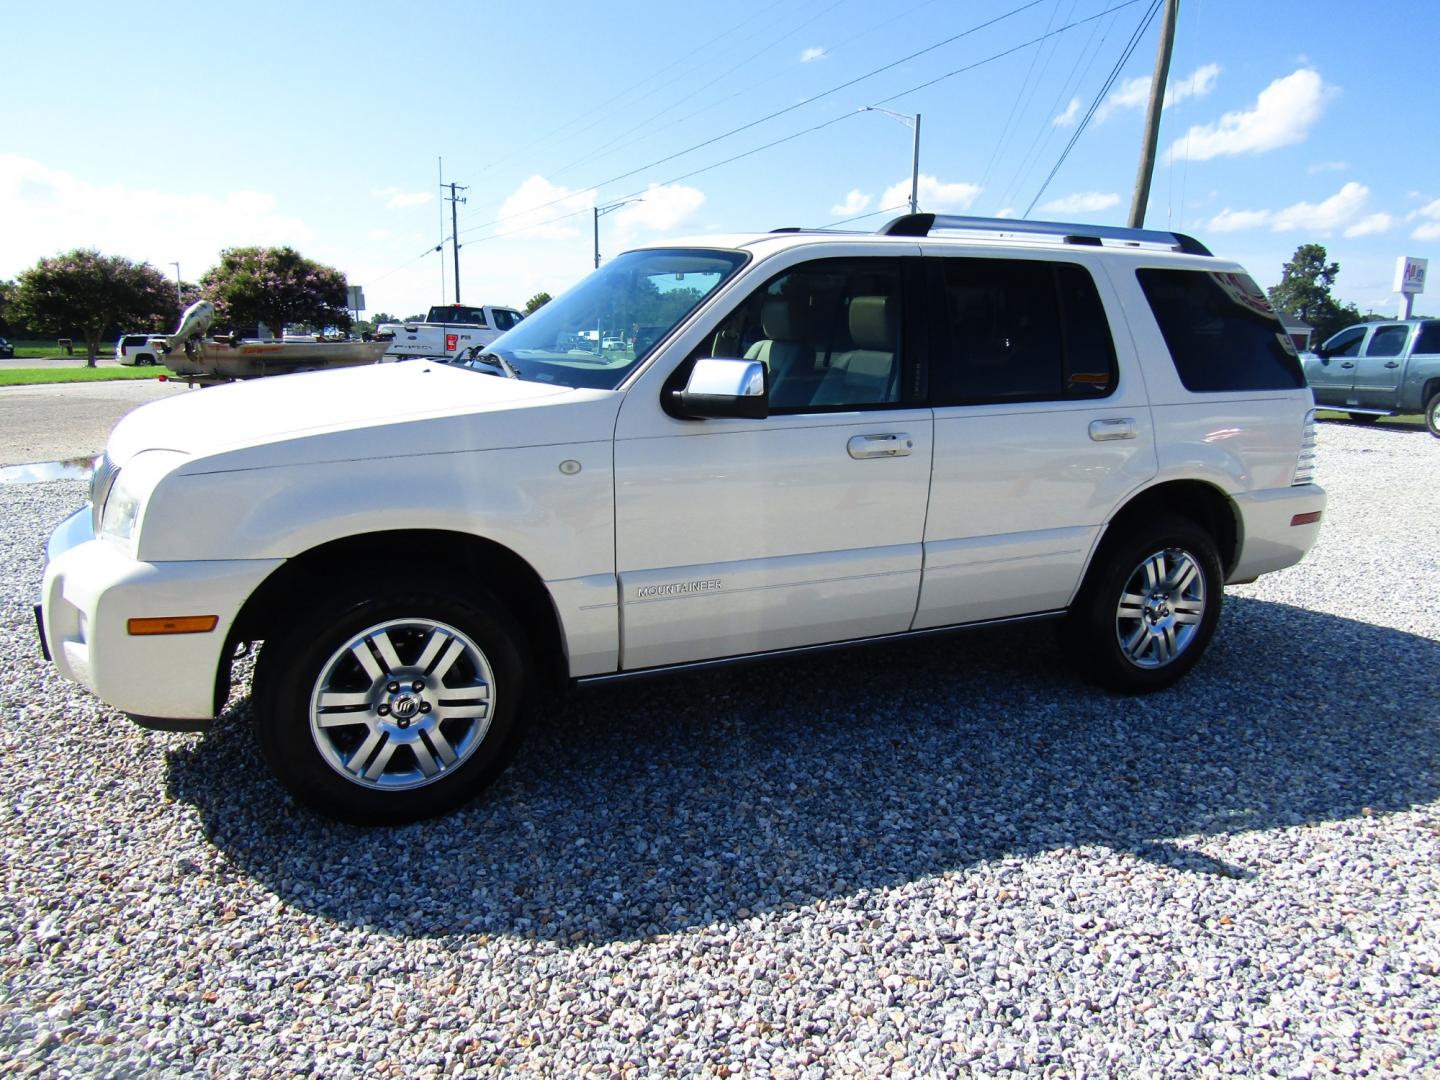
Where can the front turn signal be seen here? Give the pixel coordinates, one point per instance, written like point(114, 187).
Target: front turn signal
point(173, 624)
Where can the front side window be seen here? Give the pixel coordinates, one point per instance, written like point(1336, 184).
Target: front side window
point(1345, 343)
point(1221, 331)
point(828, 333)
point(1388, 341)
point(632, 302)
point(1021, 330)
point(505, 319)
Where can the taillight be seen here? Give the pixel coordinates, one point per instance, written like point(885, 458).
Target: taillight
point(1305, 467)
point(452, 342)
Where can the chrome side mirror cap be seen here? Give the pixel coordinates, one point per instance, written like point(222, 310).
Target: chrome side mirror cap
point(720, 387)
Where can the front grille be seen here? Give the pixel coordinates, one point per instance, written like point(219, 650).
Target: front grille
point(1305, 467)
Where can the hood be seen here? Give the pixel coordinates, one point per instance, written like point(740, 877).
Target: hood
point(367, 401)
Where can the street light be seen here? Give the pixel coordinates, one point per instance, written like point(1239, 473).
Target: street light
point(914, 123)
point(179, 292)
point(601, 211)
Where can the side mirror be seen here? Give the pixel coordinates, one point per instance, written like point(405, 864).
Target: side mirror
point(720, 388)
point(1321, 352)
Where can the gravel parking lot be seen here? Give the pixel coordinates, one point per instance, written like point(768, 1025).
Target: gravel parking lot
point(944, 858)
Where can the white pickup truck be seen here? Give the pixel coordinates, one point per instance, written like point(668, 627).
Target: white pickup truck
point(448, 329)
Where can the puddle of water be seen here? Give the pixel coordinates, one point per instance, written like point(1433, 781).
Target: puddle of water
point(41, 472)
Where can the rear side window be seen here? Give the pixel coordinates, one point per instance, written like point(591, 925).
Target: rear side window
point(1021, 330)
point(1221, 331)
point(1388, 341)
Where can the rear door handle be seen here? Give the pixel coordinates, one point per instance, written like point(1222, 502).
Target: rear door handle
point(1112, 429)
point(1393, 363)
point(895, 444)
point(1347, 364)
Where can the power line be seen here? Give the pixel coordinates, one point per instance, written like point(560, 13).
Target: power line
point(801, 104)
point(1020, 95)
point(1105, 89)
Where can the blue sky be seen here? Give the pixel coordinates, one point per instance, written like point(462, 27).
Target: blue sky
point(166, 132)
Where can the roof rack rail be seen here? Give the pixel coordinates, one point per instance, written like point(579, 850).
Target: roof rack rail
point(922, 224)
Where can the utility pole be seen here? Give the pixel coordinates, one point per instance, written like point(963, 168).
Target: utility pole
point(452, 199)
point(179, 292)
point(912, 122)
point(601, 211)
point(1152, 114)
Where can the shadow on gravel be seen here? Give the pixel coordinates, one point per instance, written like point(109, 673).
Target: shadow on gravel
point(644, 809)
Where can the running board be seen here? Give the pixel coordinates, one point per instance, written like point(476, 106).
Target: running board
point(806, 650)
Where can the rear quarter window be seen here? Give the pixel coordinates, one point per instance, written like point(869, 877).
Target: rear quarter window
point(1221, 331)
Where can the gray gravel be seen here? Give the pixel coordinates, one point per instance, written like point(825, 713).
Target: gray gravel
point(946, 858)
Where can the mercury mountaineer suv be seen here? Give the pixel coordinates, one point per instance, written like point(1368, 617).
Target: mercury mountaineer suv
point(818, 438)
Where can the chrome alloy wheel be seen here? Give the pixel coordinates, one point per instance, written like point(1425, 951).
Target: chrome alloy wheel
point(1161, 608)
point(402, 704)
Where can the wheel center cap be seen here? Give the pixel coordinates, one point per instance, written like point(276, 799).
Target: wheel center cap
point(404, 707)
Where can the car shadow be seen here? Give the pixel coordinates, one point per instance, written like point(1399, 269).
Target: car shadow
point(639, 809)
point(1408, 422)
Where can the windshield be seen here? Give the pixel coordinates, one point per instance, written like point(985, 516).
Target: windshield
point(593, 335)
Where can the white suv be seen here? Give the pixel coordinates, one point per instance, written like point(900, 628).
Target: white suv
point(136, 349)
point(820, 438)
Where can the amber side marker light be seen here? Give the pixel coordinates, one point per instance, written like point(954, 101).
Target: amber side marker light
point(173, 624)
point(1306, 519)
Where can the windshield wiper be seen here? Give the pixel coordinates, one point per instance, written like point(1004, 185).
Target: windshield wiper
point(495, 360)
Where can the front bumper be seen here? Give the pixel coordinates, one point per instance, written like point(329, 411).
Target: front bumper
point(1268, 540)
point(92, 589)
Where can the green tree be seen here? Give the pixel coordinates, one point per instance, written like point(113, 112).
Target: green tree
point(1304, 292)
point(275, 286)
point(536, 302)
point(83, 293)
point(7, 306)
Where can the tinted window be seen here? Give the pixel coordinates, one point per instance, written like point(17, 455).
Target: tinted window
point(505, 318)
point(1221, 331)
point(456, 314)
point(1387, 341)
point(1021, 330)
point(828, 333)
point(1429, 339)
point(1345, 343)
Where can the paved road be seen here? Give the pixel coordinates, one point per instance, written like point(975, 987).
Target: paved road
point(69, 420)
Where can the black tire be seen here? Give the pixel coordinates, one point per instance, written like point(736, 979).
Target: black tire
point(318, 653)
point(1432, 414)
point(1093, 630)
point(1363, 417)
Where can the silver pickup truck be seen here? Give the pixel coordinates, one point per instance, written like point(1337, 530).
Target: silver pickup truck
point(1380, 369)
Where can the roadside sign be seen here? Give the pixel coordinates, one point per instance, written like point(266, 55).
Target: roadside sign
point(1410, 274)
point(356, 297)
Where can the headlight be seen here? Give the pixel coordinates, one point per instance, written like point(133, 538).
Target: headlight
point(131, 487)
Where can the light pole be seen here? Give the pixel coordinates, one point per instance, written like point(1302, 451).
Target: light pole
point(912, 122)
point(179, 292)
point(601, 211)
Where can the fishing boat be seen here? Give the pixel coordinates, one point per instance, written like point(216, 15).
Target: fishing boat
point(190, 354)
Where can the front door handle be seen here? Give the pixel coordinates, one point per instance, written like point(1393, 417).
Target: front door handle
point(1393, 363)
point(1112, 429)
point(1347, 364)
point(896, 444)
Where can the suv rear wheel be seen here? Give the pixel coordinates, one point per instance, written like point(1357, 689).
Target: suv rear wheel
point(382, 709)
point(1149, 606)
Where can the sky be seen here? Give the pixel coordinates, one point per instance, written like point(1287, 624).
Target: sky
point(167, 133)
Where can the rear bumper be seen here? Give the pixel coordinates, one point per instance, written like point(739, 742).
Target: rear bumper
point(1269, 538)
point(92, 589)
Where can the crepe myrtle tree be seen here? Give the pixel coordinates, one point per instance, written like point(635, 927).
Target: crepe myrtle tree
point(275, 286)
point(83, 293)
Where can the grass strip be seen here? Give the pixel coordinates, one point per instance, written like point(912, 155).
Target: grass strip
point(39, 376)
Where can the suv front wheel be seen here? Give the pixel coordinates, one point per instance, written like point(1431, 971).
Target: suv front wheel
point(1149, 606)
point(389, 707)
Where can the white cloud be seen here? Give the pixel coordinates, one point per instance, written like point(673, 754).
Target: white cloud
point(660, 209)
point(1068, 117)
point(1370, 225)
point(934, 196)
point(531, 209)
point(1429, 217)
point(857, 202)
point(1328, 166)
point(395, 199)
point(44, 211)
point(1135, 93)
point(1283, 114)
point(811, 54)
point(1082, 202)
point(1008, 211)
point(1344, 211)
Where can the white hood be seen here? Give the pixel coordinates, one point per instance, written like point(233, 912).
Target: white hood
point(367, 399)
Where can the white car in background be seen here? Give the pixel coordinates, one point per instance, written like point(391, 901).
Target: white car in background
point(136, 350)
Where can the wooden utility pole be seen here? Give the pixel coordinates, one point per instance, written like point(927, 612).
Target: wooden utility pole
point(1152, 115)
